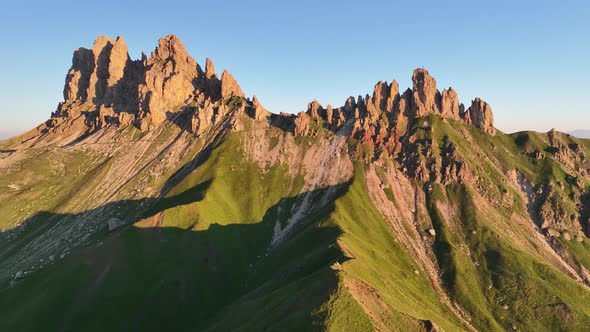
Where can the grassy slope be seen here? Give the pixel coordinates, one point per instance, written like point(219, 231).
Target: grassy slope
point(36, 183)
point(507, 287)
point(498, 284)
point(208, 253)
point(380, 261)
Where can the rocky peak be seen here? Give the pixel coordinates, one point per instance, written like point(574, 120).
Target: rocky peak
point(258, 111)
point(314, 108)
point(209, 69)
point(393, 96)
point(380, 95)
point(425, 96)
point(171, 78)
point(350, 104)
point(170, 48)
point(480, 115)
point(329, 113)
point(229, 86)
point(450, 104)
point(107, 87)
point(77, 79)
point(96, 72)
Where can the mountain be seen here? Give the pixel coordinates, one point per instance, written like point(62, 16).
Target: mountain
point(581, 133)
point(159, 197)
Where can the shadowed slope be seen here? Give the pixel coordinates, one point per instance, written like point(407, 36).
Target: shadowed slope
point(166, 277)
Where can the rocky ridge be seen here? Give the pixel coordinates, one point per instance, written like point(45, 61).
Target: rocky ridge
point(106, 87)
point(384, 116)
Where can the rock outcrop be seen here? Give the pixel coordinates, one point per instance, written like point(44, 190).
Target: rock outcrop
point(96, 73)
point(259, 113)
point(450, 104)
point(480, 115)
point(105, 87)
point(425, 97)
point(229, 86)
point(170, 81)
point(302, 121)
point(385, 117)
point(78, 77)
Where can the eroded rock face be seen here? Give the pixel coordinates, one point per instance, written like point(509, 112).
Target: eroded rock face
point(169, 85)
point(229, 86)
point(314, 108)
point(77, 80)
point(209, 69)
point(450, 104)
point(480, 115)
point(170, 81)
point(259, 113)
point(106, 87)
point(302, 121)
point(329, 113)
point(426, 98)
point(96, 73)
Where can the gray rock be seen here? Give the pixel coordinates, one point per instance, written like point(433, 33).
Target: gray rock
point(115, 223)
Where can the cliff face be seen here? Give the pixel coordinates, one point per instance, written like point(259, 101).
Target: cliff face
point(105, 87)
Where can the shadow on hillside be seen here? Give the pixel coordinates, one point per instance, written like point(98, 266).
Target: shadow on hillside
point(585, 213)
point(155, 278)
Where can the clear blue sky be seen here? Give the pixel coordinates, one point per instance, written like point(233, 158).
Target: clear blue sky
point(529, 59)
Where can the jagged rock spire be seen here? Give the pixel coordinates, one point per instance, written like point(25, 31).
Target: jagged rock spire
point(209, 69)
point(229, 86)
point(170, 81)
point(145, 92)
point(422, 100)
point(480, 115)
point(450, 104)
point(94, 72)
point(425, 95)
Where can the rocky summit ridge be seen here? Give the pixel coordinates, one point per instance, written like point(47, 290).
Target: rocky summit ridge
point(105, 87)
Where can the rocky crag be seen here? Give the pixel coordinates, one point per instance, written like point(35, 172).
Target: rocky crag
point(105, 87)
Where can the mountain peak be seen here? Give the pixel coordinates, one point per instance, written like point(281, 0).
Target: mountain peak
point(105, 87)
point(170, 47)
point(229, 86)
point(426, 97)
point(209, 69)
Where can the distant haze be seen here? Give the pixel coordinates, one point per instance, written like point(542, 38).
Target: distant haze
point(5, 134)
point(581, 133)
